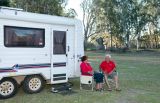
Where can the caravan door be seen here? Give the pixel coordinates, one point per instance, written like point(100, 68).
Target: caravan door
point(59, 55)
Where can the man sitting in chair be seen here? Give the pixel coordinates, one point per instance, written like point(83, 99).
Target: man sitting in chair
point(108, 67)
point(87, 70)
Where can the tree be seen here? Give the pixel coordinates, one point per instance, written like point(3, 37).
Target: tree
point(52, 7)
point(122, 19)
point(71, 13)
point(4, 2)
point(130, 17)
point(88, 19)
point(146, 14)
point(113, 21)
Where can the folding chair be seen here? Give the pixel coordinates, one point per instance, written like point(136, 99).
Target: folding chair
point(86, 80)
point(111, 82)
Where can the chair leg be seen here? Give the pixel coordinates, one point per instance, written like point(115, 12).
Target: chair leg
point(92, 84)
point(80, 86)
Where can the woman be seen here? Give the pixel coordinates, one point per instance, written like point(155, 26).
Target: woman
point(87, 70)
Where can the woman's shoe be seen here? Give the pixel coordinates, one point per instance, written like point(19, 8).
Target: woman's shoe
point(97, 89)
point(101, 90)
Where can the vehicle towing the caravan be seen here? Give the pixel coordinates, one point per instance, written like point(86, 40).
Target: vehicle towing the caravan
point(36, 49)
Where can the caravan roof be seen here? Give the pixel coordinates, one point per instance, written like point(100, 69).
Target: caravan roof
point(19, 14)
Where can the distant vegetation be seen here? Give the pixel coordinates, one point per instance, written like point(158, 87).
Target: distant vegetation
point(52, 7)
point(122, 23)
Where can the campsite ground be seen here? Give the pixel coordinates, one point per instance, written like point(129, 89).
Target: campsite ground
point(139, 74)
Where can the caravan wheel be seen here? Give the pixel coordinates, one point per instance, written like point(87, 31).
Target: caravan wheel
point(33, 84)
point(8, 88)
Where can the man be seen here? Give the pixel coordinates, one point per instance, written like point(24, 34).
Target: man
point(108, 67)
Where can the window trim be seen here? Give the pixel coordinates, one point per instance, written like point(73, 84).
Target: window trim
point(43, 30)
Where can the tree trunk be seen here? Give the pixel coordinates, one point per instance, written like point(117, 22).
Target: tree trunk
point(128, 42)
point(111, 40)
point(138, 42)
point(85, 43)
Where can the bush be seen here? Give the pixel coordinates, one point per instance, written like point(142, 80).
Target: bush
point(118, 50)
point(90, 46)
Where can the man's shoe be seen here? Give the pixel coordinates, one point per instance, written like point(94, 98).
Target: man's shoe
point(118, 89)
point(109, 89)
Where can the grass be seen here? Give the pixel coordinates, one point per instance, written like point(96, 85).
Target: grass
point(139, 75)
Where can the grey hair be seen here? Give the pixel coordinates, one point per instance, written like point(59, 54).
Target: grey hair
point(108, 55)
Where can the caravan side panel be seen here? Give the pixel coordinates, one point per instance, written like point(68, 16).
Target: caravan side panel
point(29, 59)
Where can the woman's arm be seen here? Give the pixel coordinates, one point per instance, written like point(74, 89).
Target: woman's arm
point(86, 69)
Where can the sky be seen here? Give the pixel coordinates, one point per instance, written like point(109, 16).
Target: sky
point(75, 4)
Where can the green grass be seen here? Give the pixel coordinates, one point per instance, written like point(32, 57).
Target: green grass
point(139, 75)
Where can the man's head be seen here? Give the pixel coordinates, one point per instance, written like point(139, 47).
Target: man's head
point(108, 57)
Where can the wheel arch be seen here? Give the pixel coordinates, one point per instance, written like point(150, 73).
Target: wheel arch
point(9, 78)
point(42, 76)
point(20, 78)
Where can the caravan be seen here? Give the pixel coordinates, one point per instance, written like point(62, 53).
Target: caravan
point(36, 49)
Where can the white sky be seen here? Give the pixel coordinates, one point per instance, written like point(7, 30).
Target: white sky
point(75, 4)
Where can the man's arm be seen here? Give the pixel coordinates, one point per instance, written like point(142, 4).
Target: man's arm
point(113, 66)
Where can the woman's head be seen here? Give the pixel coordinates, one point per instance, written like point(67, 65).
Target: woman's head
point(84, 58)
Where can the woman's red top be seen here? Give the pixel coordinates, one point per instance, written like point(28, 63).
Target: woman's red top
point(85, 68)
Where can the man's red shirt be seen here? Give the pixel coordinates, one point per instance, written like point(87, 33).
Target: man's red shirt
point(85, 68)
point(107, 67)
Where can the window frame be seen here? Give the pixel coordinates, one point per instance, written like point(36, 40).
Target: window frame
point(25, 28)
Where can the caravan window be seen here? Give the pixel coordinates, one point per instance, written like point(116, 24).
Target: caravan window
point(23, 37)
point(59, 43)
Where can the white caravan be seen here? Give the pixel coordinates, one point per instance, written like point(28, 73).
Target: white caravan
point(37, 48)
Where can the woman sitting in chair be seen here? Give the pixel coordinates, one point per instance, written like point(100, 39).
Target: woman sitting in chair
point(87, 70)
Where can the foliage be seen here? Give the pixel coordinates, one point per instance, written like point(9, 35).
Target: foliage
point(126, 20)
point(52, 7)
point(150, 41)
point(4, 2)
point(71, 13)
point(91, 46)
